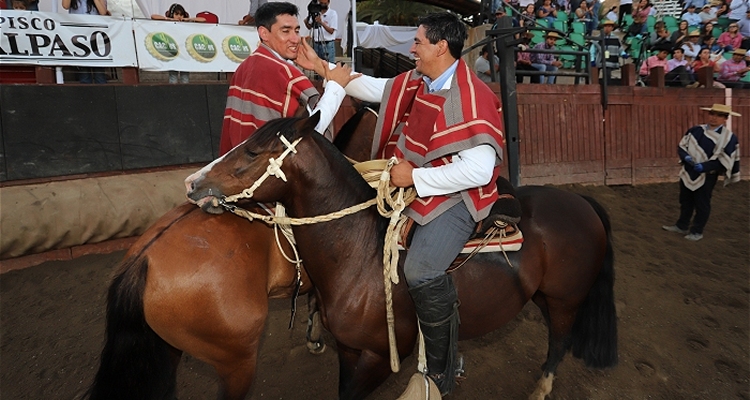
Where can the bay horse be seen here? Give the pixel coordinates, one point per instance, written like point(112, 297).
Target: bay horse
point(199, 284)
point(565, 265)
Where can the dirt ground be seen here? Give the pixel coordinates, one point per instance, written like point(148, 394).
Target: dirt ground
point(682, 307)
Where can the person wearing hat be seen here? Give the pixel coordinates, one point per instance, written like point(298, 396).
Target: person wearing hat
point(612, 47)
point(657, 60)
point(734, 69)
point(706, 152)
point(691, 17)
point(546, 62)
point(692, 47)
point(523, 59)
point(708, 14)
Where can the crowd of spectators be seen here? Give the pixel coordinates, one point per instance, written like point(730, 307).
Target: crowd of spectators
point(708, 33)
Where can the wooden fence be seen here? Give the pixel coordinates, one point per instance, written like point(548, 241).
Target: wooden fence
point(567, 136)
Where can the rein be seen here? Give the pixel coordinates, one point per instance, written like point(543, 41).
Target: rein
point(391, 202)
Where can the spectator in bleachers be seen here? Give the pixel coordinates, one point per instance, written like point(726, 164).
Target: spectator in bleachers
point(640, 17)
point(679, 69)
point(705, 61)
point(177, 12)
point(501, 13)
point(660, 35)
point(691, 17)
point(706, 30)
point(676, 73)
point(709, 42)
point(528, 16)
point(697, 3)
point(546, 62)
point(731, 39)
point(586, 15)
point(734, 69)
point(547, 11)
point(680, 35)
point(708, 14)
point(738, 8)
point(249, 19)
point(523, 60)
point(744, 29)
point(482, 65)
point(692, 46)
point(90, 7)
point(720, 7)
point(29, 5)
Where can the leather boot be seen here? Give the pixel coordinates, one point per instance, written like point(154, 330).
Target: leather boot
point(436, 302)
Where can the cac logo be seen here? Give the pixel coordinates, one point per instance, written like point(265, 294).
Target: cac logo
point(162, 46)
point(201, 47)
point(236, 48)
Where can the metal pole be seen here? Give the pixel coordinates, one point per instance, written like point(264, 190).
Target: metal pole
point(506, 53)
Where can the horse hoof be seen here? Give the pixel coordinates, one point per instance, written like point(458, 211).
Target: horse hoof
point(316, 347)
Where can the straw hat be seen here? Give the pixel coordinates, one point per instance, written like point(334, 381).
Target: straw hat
point(552, 35)
point(741, 52)
point(722, 108)
point(608, 22)
point(694, 33)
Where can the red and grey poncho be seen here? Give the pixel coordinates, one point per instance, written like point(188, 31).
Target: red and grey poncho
point(263, 88)
point(426, 129)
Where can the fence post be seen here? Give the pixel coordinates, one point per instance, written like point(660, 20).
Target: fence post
point(628, 75)
point(706, 76)
point(509, 98)
point(656, 77)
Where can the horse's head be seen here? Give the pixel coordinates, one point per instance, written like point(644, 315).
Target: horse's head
point(254, 164)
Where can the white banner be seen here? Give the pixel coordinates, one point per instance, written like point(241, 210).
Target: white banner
point(194, 47)
point(39, 38)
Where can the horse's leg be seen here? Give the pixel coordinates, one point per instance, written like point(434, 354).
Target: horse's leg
point(560, 317)
point(315, 342)
point(237, 377)
point(360, 372)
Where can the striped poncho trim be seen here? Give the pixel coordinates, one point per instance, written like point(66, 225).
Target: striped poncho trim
point(427, 129)
point(704, 144)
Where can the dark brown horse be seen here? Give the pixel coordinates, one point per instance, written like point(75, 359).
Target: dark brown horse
point(199, 284)
point(565, 265)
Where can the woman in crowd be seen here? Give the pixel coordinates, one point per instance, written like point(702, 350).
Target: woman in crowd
point(731, 39)
point(586, 15)
point(528, 16)
point(704, 60)
point(89, 7)
point(680, 34)
point(640, 16)
point(660, 36)
point(547, 11)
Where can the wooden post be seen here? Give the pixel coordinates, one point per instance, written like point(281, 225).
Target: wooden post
point(628, 75)
point(656, 77)
point(45, 74)
point(130, 76)
point(594, 75)
point(706, 76)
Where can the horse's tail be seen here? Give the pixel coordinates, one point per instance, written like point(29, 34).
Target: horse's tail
point(595, 328)
point(135, 362)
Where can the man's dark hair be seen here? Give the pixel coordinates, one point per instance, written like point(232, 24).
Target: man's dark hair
point(267, 13)
point(445, 26)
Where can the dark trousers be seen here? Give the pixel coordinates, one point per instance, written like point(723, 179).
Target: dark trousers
point(700, 201)
point(678, 75)
point(526, 67)
point(624, 9)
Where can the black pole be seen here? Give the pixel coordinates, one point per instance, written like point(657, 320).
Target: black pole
point(508, 97)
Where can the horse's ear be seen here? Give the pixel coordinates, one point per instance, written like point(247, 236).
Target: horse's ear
point(312, 122)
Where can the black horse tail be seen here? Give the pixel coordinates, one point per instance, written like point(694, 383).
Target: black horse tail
point(595, 328)
point(135, 362)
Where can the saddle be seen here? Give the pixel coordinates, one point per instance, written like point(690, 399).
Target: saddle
point(498, 232)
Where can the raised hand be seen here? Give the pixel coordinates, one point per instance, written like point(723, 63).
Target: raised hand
point(308, 59)
point(341, 74)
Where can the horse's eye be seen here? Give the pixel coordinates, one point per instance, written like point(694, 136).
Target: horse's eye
point(250, 153)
